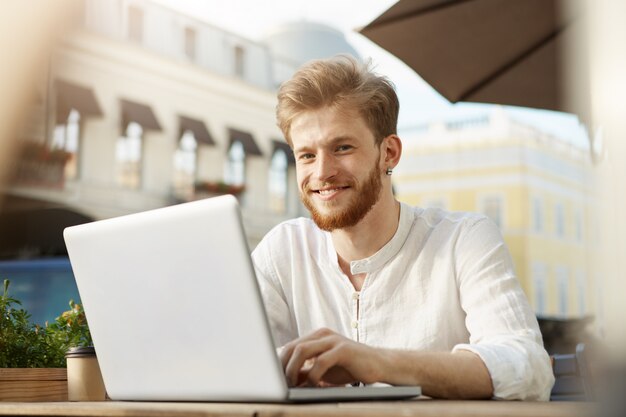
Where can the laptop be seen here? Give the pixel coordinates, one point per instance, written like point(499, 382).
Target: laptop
point(176, 313)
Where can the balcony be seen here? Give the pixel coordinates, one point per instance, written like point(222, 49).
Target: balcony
point(42, 167)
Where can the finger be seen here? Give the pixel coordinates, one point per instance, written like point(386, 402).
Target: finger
point(302, 358)
point(287, 351)
point(329, 367)
point(303, 372)
point(324, 384)
point(301, 353)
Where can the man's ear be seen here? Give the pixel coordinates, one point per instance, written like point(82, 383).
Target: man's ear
point(391, 150)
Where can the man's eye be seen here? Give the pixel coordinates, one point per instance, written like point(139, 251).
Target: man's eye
point(307, 156)
point(341, 148)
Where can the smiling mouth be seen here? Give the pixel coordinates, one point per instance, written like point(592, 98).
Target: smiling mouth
point(329, 191)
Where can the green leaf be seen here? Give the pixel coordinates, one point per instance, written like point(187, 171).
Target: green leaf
point(24, 344)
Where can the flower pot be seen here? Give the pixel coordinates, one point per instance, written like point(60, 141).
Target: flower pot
point(84, 380)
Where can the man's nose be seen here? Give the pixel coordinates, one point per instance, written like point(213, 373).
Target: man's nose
point(326, 167)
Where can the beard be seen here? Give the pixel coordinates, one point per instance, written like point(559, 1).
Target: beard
point(366, 195)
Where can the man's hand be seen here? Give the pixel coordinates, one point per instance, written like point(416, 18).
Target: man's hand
point(325, 358)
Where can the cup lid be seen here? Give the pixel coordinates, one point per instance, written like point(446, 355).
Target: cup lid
point(80, 351)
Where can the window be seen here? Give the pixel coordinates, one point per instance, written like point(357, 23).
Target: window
point(537, 216)
point(185, 159)
point(539, 284)
point(128, 157)
point(190, 43)
point(235, 172)
point(559, 220)
point(578, 225)
point(581, 287)
point(135, 24)
point(278, 181)
point(562, 280)
point(67, 138)
point(492, 208)
point(239, 61)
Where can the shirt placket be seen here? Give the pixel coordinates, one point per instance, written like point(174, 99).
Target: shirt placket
point(356, 296)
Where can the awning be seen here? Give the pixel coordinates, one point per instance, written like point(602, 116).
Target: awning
point(246, 139)
point(72, 96)
point(198, 128)
point(140, 114)
point(282, 145)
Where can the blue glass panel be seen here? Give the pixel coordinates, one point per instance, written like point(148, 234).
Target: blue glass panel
point(44, 286)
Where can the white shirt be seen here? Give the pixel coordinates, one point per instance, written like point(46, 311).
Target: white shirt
point(444, 282)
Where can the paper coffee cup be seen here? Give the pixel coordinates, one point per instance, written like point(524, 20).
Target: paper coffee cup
point(84, 380)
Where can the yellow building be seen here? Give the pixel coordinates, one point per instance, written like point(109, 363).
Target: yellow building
point(536, 188)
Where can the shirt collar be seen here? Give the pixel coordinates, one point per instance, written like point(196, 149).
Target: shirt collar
point(384, 254)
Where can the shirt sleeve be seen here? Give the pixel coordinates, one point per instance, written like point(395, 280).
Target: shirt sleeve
point(276, 306)
point(503, 328)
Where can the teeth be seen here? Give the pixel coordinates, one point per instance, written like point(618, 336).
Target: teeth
point(326, 192)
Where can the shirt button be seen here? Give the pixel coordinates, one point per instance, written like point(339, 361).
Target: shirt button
point(355, 324)
point(355, 296)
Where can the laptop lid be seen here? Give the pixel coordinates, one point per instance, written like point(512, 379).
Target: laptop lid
point(173, 305)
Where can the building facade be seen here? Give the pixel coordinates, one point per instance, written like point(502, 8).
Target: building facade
point(144, 107)
point(535, 187)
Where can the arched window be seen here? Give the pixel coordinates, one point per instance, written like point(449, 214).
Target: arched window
point(128, 150)
point(185, 159)
point(235, 171)
point(67, 138)
point(278, 181)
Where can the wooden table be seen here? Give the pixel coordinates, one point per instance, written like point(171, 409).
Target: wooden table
point(416, 408)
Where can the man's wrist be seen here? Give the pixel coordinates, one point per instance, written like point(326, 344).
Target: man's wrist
point(388, 366)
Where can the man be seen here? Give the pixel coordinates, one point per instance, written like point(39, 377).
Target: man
point(372, 290)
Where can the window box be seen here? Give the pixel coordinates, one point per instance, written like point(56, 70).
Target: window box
point(217, 188)
point(33, 384)
point(38, 165)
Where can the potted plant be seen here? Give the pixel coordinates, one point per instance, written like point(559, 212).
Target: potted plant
point(33, 358)
point(31, 368)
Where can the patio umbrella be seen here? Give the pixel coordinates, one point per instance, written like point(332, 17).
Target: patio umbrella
point(492, 51)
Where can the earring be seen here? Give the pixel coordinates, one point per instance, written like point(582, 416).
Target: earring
point(389, 171)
